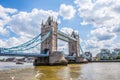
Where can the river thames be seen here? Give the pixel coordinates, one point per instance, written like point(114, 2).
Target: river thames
point(90, 71)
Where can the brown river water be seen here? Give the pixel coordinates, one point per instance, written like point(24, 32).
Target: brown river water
point(90, 71)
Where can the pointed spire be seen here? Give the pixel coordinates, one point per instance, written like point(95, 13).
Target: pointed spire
point(49, 18)
point(42, 23)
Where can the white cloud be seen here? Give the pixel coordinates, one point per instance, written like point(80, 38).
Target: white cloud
point(67, 11)
point(30, 23)
point(68, 30)
point(104, 16)
point(103, 34)
point(99, 12)
point(94, 45)
point(63, 46)
point(83, 23)
point(5, 17)
point(25, 25)
point(3, 31)
point(116, 29)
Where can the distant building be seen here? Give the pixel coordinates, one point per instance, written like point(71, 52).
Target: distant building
point(117, 51)
point(105, 54)
point(114, 55)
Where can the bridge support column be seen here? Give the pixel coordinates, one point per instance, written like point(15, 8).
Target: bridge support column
point(74, 47)
point(40, 61)
point(57, 58)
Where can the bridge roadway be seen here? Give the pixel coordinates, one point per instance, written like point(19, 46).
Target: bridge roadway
point(32, 55)
point(24, 54)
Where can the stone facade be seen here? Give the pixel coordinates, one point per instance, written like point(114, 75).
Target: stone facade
point(57, 58)
point(74, 46)
point(50, 46)
point(50, 43)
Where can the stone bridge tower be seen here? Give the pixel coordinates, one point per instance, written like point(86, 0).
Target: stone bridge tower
point(49, 44)
point(74, 46)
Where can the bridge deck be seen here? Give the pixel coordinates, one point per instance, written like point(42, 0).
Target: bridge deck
point(24, 54)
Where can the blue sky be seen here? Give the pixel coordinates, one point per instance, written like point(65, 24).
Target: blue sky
point(96, 21)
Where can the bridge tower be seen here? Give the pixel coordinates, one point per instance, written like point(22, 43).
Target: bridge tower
point(51, 43)
point(74, 46)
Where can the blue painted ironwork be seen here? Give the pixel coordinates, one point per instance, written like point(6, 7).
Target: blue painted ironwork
point(64, 36)
point(24, 54)
point(17, 50)
point(81, 49)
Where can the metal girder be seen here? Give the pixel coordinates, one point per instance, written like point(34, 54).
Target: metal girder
point(24, 54)
point(65, 36)
point(14, 51)
point(81, 50)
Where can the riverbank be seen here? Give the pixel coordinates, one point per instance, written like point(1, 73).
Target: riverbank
point(13, 65)
point(107, 61)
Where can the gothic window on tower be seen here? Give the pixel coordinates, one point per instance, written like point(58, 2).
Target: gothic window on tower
point(49, 23)
point(72, 47)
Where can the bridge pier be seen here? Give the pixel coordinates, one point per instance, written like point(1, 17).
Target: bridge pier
point(40, 61)
point(74, 47)
point(56, 58)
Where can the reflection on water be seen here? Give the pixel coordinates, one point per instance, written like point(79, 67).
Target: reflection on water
point(60, 72)
point(90, 71)
point(13, 65)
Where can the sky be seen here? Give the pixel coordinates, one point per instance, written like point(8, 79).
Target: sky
point(96, 21)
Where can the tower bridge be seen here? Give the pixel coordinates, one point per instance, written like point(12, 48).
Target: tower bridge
point(47, 40)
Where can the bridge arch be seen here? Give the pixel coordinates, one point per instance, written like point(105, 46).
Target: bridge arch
point(45, 51)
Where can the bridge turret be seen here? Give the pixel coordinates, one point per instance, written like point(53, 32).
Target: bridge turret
point(50, 20)
point(51, 43)
point(74, 46)
point(74, 35)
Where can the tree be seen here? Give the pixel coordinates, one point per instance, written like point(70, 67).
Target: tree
point(118, 57)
